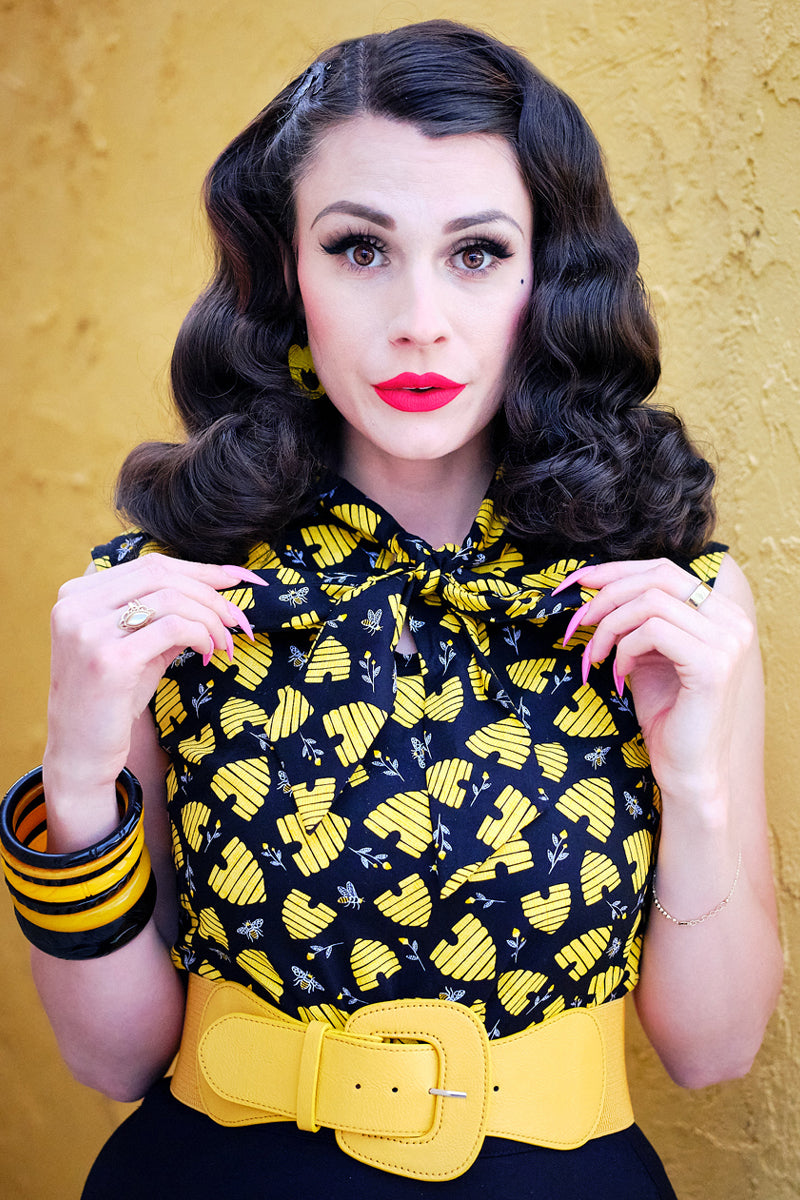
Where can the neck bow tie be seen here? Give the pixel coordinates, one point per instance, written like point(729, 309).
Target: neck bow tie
point(353, 575)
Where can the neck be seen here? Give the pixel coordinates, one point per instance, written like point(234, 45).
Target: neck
point(435, 500)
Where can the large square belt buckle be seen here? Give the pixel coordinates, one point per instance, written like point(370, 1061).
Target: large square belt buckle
point(461, 1091)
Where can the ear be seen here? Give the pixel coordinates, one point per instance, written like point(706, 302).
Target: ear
point(290, 277)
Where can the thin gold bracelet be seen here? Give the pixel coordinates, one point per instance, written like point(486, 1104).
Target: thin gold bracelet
point(711, 913)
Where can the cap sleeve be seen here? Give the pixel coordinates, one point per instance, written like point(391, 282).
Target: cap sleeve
point(707, 563)
point(124, 548)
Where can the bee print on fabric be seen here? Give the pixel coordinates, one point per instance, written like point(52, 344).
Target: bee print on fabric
point(351, 825)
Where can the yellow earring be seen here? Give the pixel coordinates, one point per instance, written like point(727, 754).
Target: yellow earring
point(301, 369)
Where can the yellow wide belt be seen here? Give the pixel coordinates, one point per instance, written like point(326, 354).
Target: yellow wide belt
point(410, 1086)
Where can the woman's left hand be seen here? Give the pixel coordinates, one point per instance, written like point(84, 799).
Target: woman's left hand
point(683, 664)
point(695, 675)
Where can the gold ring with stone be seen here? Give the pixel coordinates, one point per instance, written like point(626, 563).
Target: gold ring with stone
point(134, 616)
point(698, 596)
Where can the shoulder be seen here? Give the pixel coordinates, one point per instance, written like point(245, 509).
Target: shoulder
point(732, 583)
point(716, 567)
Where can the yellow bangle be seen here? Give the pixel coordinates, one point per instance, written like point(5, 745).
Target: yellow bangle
point(98, 914)
point(20, 878)
point(711, 913)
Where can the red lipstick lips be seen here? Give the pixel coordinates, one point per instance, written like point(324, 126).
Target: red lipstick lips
point(418, 393)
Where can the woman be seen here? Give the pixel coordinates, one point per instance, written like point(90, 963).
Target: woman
point(477, 675)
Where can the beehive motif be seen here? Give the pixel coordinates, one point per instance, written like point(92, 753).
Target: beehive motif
point(320, 847)
point(472, 957)
point(516, 988)
point(411, 907)
point(368, 960)
point(357, 723)
point(508, 739)
point(194, 750)
point(257, 965)
point(599, 876)
point(303, 919)
point(552, 758)
point(408, 814)
point(241, 880)
point(548, 912)
point(590, 718)
point(592, 798)
point(580, 955)
point(447, 781)
point(351, 824)
point(246, 782)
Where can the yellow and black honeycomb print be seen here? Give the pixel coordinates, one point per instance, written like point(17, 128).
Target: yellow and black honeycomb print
point(351, 824)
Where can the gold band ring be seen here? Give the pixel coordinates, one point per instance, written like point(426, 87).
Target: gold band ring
point(698, 596)
point(134, 616)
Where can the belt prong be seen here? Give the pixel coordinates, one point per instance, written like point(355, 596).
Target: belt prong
point(445, 1092)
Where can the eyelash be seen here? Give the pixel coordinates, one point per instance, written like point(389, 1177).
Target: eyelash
point(496, 247)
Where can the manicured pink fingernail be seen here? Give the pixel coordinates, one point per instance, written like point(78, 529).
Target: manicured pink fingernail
point(573, 625)
point(568, 579)
point(229, 644)
point(619, 680)
point(244, 624)
point(207, 657)
point(243, 573)
point(586, 661)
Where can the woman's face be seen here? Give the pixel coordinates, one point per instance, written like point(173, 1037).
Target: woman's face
point(414, 267)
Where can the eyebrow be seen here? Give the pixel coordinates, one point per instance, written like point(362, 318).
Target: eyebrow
point(350, 208)
point(480, 218)
point(356, 210)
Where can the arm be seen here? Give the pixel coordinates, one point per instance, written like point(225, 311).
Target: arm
point(118, 1018)
point(705, 999)
point(706, 991)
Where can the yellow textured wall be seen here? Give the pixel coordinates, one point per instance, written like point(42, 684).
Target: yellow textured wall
point(111, 111)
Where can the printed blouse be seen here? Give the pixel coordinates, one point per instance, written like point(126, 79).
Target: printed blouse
point(351, 824)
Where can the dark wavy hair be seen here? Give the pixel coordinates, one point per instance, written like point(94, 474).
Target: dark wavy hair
point(585, 462)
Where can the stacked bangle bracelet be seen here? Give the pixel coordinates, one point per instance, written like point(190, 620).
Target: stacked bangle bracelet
point(83, 904)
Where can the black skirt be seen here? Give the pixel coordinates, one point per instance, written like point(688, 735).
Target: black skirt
point(166, 1150)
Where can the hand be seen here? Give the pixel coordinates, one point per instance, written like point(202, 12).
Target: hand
point(683, 664)
point(103, 676)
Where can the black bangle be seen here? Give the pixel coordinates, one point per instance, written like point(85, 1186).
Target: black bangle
point(23, 824)
point(93, 943)
point(82, 904)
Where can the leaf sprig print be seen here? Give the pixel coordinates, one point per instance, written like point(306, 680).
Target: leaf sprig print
point(325, 951)
point(440, 836)
point(368, 859)
point(559, 851)
point(512, 635)
point(476, 791)
point(389, 766)
point(273, 857)
point(414, 948)
point(516, 942)
point(371, 669)
point(484, 901)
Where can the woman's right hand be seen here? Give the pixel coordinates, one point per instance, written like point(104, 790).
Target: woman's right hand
point(103, 676)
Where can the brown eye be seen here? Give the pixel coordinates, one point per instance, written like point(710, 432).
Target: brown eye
point(473, 259)
point(363, 254)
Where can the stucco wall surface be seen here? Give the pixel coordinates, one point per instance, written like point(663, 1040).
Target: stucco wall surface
point(111, 112)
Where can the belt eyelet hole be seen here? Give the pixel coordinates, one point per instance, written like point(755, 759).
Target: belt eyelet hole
point(496, 1087)
point(358, 1085)
point(394, 1089)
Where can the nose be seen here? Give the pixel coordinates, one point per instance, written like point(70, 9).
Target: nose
point(418, 316)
